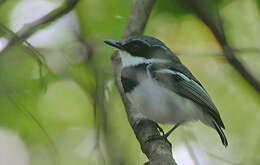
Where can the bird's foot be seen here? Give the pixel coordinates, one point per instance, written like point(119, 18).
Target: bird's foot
point(159, 128)
point(157, 137)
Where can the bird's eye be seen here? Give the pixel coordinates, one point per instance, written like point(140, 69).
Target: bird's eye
point(135, 48)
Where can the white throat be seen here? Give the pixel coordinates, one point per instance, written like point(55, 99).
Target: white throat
point(129, 60)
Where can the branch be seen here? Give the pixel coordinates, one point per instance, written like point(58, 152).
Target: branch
point(29, 115)
point(42, 65)
point(216, 26)
point(29, 29)
point(158, 152)
point(219, 53)
point(33, 52)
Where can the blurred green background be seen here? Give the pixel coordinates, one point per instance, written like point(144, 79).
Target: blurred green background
point(75, 102)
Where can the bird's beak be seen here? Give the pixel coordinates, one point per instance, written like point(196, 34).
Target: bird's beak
point(115, 44)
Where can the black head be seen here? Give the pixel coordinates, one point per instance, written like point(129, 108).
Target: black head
point(143, 46)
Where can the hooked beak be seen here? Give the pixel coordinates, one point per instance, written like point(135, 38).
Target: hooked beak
point(115, 44)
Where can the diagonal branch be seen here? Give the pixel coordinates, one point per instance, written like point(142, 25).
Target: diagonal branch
point(29, 29)
point(216, 26)
point(29, 115)
point(33, 52)
point(158, 152)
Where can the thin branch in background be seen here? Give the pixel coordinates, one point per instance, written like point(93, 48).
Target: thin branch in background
point(212, 53)
point(222, 159)
point(29, 115)
point(191, 151)
point(244, 50)
point(90, 47)
point(97, 95)
point(101, 76)
point(219, 53)
point(34, 53)
point(216, 26)
point(29, 29)
point(21, 36)
point(99, 106)
point(157, 151)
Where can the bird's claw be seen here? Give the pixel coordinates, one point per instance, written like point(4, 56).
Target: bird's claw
point(157, 137)
point(159, 128)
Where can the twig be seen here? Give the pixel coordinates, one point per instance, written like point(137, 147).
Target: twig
point(24, 33)
point(99, 105)
point(219, 53)
point(42, 64)
point(253, 50)
point(29, 115)
point(191, 151)
point(29, 29)
point(216, 26)
point(159, 151)
point(213, 155)
point(34, 53)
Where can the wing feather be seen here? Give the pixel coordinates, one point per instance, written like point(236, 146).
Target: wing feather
point(186, 87)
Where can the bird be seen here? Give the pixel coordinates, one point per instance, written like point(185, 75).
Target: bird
point(161, 88)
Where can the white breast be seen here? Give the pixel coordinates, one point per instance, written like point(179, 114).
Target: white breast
point(162, 105)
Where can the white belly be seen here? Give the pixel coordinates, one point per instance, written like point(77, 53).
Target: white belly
point(162, 105)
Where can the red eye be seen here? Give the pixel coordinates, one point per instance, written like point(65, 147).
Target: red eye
point(135, 48)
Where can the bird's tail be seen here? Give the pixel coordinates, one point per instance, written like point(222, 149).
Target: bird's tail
point(221, 134)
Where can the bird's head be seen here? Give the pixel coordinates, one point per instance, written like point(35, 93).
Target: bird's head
point(140, 49)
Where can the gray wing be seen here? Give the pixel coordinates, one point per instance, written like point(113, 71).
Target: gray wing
point(186, 87)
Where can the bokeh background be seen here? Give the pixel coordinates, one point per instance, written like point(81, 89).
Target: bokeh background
point(70, 112)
